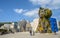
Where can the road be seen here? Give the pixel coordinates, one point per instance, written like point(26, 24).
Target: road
point(27, 35)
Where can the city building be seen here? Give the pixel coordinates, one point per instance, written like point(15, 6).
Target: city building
point(28, 26)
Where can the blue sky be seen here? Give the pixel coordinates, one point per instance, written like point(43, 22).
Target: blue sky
point(16, 10)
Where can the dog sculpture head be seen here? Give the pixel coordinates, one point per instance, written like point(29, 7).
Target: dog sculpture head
point(44, 12)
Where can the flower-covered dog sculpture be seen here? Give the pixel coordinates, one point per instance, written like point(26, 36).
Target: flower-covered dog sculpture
point(44, 24)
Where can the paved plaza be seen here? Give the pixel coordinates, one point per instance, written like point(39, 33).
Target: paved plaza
point(27, 35)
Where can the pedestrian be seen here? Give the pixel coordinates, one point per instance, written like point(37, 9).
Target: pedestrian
point(31, 32)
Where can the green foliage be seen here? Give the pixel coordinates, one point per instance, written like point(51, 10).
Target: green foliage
point(3, 30)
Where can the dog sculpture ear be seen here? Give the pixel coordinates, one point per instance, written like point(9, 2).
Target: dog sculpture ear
point(39, 11)
point(41, 8)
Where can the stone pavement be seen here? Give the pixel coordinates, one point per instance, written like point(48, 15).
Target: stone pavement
point(27, 35)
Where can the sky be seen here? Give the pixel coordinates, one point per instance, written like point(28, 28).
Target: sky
point(16, 10)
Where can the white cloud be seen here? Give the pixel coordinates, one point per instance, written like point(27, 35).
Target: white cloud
point(31, 12)
point(52, 4)
point(40, 1)
point(19, 10)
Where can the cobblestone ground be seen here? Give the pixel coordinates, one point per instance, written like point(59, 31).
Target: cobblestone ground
point(27, 35)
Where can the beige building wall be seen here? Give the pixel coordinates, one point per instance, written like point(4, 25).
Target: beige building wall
point(28, 26)
point(34, 24)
